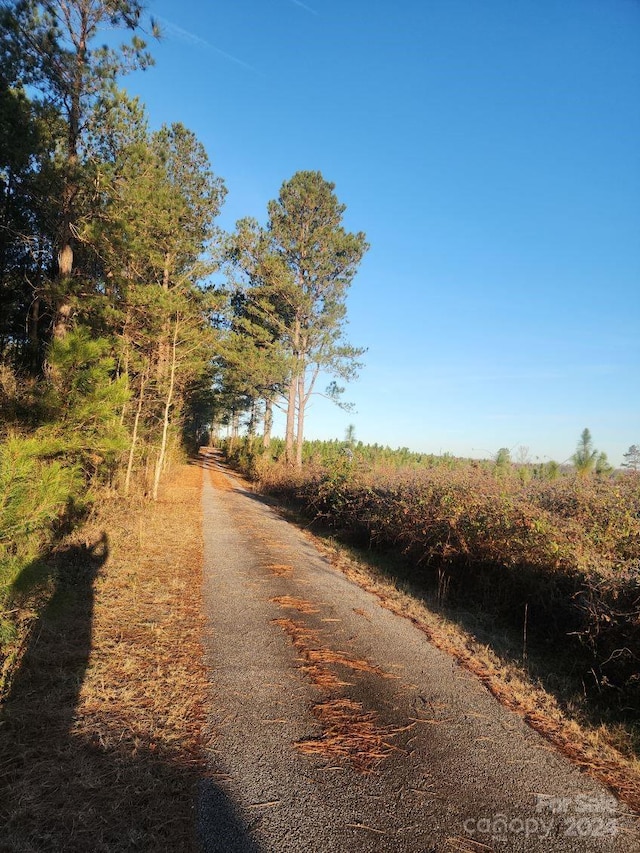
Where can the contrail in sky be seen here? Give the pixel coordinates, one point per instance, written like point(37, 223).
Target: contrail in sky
point(304, 6)
point(191, 38)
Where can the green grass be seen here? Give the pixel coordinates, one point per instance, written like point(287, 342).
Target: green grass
point(36, 495)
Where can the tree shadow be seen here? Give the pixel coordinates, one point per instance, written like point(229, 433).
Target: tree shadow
point(207, 457)
point(210, 459)
point(265, 500)
point(63, 788)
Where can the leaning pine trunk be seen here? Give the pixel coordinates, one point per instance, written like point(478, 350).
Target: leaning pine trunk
point(167, 409)
point(134, 437)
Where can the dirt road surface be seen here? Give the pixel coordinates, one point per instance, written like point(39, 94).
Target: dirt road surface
point(336, 726)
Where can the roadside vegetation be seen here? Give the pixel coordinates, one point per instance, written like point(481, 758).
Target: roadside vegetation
point(132, 330)
point(106, 338)
point(547, 556)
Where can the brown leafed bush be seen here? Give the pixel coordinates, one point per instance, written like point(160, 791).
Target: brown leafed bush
point(568, 549)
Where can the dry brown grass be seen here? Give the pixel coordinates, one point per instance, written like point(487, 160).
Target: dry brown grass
point(101, 736)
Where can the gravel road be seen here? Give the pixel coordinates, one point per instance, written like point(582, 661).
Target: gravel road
point(336, 726)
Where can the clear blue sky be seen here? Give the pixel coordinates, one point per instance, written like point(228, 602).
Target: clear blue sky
point(490, 149)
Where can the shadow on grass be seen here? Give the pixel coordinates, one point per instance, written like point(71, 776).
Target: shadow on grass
point(63, 788)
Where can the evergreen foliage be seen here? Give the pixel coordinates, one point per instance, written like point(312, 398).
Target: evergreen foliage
point(585, 457)
point(632, 458)
point(35, 494)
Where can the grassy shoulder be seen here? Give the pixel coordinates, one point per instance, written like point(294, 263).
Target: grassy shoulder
point(101, 728)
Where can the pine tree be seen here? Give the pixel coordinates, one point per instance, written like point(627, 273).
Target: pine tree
point(632, 458)
point(54, 45)
point(254, 358)
point(584, 459)
point(300, 268)
point(305, 223)
point(154, 235)
point(30, 134)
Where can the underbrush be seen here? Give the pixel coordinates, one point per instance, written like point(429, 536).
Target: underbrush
point(558, 561)
point(63, 446)
point(37, 496)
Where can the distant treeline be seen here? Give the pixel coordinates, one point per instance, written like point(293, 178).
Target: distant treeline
point(332, 451)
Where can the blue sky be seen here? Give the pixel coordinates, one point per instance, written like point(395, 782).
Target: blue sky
point(490, 149)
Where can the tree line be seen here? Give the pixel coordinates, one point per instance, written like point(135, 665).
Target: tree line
point(114, 337)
